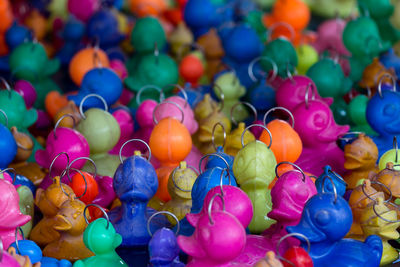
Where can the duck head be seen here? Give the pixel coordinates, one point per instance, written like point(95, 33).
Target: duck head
point(318, 125)
point(135, 180)
point(70, 217)
point(163, 247)
point(323, 183)
point(324, 219)
point(101, 237)
point(296, 88)
point(289, 195)
point(361, 153)
point(382, 113)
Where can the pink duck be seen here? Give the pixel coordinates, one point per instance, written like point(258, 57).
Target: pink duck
point(126, 124)
point(292, 92)
point(10, 214)
point(62, 140)
point(239, 205)
point(289, 195)
point(318, 132)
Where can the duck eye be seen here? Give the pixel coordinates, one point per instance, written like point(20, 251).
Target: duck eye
point(322, 217)
point(319, 120)
point(390, 110)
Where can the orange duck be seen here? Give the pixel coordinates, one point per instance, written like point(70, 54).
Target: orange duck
point(290, 13)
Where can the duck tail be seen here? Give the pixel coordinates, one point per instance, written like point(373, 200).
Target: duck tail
point(375, 243)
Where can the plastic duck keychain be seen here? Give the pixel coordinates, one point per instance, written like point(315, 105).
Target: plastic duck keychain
point(380, 115)
point(135, 183)
point(381, 219)
point(180, 184)
point(287, 145)
point(360, 160)
point(339, 184)
point(362, 196)
point(290, 193)
point(262, 94)
point(391, 155)
point(170, 142)
point(24, 260)
point(208, 113)
point(7, 143)
point(102, 132)
point(250, 160)
point(295, 255)
point(70, 223)
point(102, 239)
point(325, 220)
point(389, 177)
point(163, 246)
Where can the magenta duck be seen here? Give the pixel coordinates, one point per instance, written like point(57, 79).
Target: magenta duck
point(289, 195)
point(144, 117)
point(296, 88)
point(239, 205)
point(62, 141)
point(10, 215)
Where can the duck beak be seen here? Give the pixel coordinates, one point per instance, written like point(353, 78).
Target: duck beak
point(61, 223)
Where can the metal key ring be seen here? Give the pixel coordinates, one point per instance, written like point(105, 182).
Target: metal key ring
point(289, 163)
point(132, 140)
point(221, 180)
point(212, 154)
point(306, 97)
point(181, 90)
point(10, 170)
point(378, 183)
point(52, 163)
point(250, 69)
point(278, 108)
point(290, 235)
point(333, 185)
point(146, 87)
point(16, 238)
point(346, 139)
point(260, 125)
point(168, 102)
point(5, 116)
point(395, 146)
point(246, 104)
point(211, 203)
point(102, 210)
point(172, 177)
point(379, 215)
point(281, 23)
point(178, 227)
point(84, 179)
point(85, 158)
point(394, 84)
point(86, 97)
point(59, 121)
point(213, 135)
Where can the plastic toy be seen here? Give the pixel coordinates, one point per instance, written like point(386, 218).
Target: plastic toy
point(147, 8)
point(49, 202)
point(270, 260)
point(26, 206)
point(390, 156)
point(362, 196)
point(191, 69)
point(173, 107)
point(11, 217)
point(7, 144)
point(102, 132)
point(85, 60)
point(357, 110)
point(22, 260)
point(379, 219)
point(360, 159)
point(8, 260)
point(101, 238)
point(318, 132)
point(388, 177)
point(283, 54)
point(374, 73)
point(72, 34)
point(180, 38)
point(383, 105)
point(286, 144)
point(164, 249)
point(56, 144)
point(338, 184)
point(101, 81)
point(332, 8)
point(325, 220)
point(213, 51)
point(83, 10)
point(70, 223)
point(289, 195)
point(331, 82)
point(209, 246)
point(250, 160)
point(295, 255)
point(228, 88)
point(295, 14)
point(27, 91)
point(135, 183)
point(199, 16)
point(179, 186)
point(297, 87)
point(208, 113)
point(233, 144)
point(126, 124)
point(307, 56)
